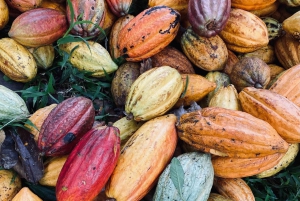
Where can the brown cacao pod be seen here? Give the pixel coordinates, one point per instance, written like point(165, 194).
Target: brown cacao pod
point(250, 71)
point(228, 167)
point(208, 19)
point(92, 11)
point(215, 129)
point(218, 197)
point(209, 54)
point(288, 84)
point(233, 188)
point(281, 113)
point(30, 29)
point(287, 50)
point(267, 11)
point(139, 159)
point(244, 32)
point(266, 54)
point(65, 125)
point(170, 56)
point(148, 33)
point(231, 61)
point(124, 77)
point(99, 152)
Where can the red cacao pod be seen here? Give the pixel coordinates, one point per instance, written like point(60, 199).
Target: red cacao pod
point(89, 165)
point(93, 11)
point(119, 7)
point(208, 18)
point(65, 125)
point(38, 27)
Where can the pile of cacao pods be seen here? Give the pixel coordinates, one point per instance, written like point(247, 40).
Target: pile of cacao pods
point(208, 88)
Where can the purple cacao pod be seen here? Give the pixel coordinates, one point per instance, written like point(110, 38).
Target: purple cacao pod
point(208, 18)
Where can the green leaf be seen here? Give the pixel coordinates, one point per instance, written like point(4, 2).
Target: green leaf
point(177, 175)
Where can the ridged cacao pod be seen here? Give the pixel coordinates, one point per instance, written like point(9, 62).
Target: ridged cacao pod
point(284, 162)
point(65, 125)
point(244, 32)
point(127, 128)
point(231, 61)
point(16, 62)
point(153, 93)
point(139, 166)
point(92, 11)
point(170, 56)
point(10, 184)
point(218, 129)
point(287, 50)
point(92, 57)
point(290, 27)
point(4, 14)
point(217, 197)
point(124, 77)
point(38, 118)
point(233, 188)
point(266, 54)
point(228, 167)
point(114, 35)
point(148, 33)
point(52, 168)
point(90, 164)
point(206, 18)
point(119, 7)
point(12, 106)
point(43, 56)
point(198, 179)
point(267, 11)
point(25, 194)
point(209, 54)
point(197, 88)
point(252, 4)
point(291, 3)
point(226, 97)
point(250, 72)
point(281, 113)
point(274, 27)
point(24, 5)
point(181, 6)
point(30, 29)
point(288, 84)
point(54, 5)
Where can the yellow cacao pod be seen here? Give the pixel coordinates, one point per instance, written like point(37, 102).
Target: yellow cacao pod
point(153, 93)
point(25, 194)
point(10, 184)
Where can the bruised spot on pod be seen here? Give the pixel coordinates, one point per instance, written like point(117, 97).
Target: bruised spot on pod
point(69, 138)
point(153, 9)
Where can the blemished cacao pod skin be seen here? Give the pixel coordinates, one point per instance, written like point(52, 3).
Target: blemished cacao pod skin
point(174, 58)
point(288, 84)
point(228, 167)
point(148, 33)
point(215, 129)
point(30, 29)
point(10, 184)
point(65, 125)
point(206, 18)
point(124, 77)
point(250, 72)
point(244, 32)
point(233, 188)
point(93, 11)
point(281, 113)
point(89, 165)
point(16, 62)
point(4, 16)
